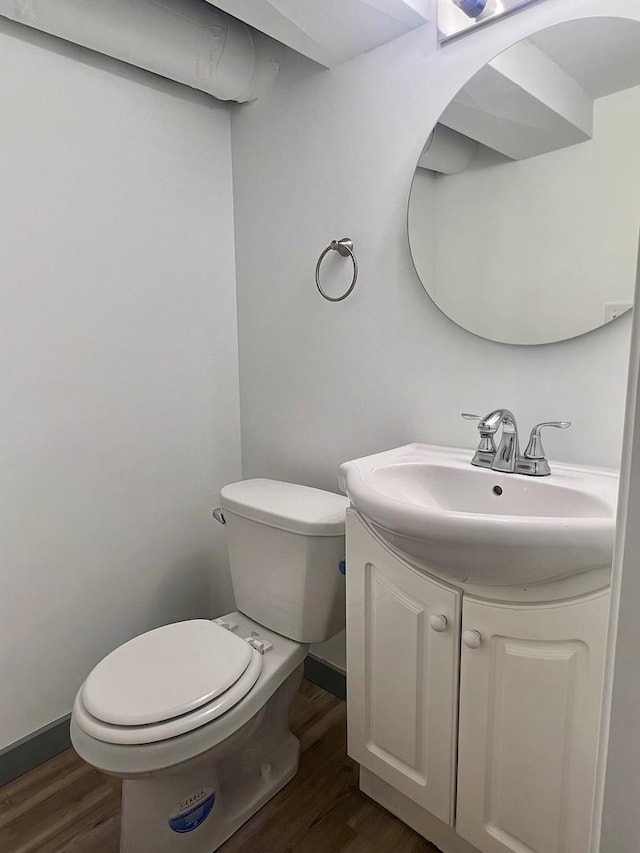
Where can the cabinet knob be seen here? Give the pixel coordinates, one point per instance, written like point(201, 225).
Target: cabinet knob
point(472, 639)
point(438, 622)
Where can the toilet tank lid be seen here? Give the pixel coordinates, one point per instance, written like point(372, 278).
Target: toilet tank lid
point(287, 506)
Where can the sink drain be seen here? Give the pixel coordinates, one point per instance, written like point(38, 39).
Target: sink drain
point(497, 490)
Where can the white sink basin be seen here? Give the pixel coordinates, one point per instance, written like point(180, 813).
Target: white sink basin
point(482, 526)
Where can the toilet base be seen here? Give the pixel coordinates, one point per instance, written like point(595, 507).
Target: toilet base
point(195, 807)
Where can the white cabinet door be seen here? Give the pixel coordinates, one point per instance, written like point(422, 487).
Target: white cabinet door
point(402, 672)
point(530, 696)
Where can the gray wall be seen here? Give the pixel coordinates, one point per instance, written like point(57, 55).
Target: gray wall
point(118, 364)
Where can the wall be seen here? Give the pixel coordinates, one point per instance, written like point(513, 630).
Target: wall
point(571, 232)
point(118, 364)
point(332, 153)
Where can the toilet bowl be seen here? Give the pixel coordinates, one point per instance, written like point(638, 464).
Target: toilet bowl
point(193, 716)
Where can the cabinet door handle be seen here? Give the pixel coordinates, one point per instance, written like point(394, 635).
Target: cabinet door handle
point(438, 622)
point(472, 639)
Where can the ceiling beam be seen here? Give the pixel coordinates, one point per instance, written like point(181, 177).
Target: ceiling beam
point(331, 31)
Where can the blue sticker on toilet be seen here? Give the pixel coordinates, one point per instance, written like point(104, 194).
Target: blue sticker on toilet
point(193, 811)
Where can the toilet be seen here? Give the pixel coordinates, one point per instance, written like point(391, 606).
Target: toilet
point(194, 716)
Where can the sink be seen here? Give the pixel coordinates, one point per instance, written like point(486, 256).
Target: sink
point(482, 526)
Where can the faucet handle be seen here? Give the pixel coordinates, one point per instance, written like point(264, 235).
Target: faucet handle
point(486, 440)
point(534, 449)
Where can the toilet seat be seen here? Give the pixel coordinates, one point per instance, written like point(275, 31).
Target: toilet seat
point(166, 682)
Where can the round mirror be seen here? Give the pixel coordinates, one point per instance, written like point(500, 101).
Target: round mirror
point(524, 211)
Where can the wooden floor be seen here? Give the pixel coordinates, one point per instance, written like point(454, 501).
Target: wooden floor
point(65, 806)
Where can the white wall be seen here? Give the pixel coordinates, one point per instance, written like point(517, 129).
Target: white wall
point(533, 250)
point(333, 155)
point(118, 364)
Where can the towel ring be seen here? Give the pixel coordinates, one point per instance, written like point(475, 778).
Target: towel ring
point(343, 247)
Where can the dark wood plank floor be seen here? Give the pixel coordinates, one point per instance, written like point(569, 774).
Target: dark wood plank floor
point(65, 806)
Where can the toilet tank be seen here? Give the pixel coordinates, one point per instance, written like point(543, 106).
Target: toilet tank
point(286, 543)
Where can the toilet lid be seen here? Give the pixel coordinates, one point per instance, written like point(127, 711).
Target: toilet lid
point(165, 673)
point(155, 732)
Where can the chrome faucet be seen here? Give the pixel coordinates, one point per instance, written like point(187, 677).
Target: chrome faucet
point(507, 458)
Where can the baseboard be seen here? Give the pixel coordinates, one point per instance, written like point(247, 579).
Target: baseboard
point(34, 749)
point(325, 675)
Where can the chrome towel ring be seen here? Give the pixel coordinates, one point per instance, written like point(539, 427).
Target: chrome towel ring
point(343, 247)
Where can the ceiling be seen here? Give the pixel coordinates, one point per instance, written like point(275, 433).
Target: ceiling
point(330, 31)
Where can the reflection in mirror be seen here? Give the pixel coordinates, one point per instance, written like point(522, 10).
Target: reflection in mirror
point(525, 205)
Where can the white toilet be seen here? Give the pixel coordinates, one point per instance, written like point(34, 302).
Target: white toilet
point(194, 716)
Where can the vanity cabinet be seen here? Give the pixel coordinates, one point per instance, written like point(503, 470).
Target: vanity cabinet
point(509, 763)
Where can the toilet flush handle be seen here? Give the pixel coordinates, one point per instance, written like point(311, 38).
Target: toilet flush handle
point(217, 514)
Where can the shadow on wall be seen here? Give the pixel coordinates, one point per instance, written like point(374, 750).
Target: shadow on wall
point(188, 590)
